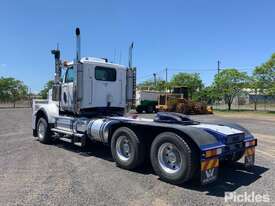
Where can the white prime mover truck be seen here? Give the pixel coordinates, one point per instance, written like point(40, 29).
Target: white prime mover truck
point(88, 105)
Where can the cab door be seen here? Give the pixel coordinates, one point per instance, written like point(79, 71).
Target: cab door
point(67, 90)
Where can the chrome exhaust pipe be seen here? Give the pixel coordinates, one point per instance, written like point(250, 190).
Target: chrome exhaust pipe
point(78, 55)
point(79, 75)
point(57, 75)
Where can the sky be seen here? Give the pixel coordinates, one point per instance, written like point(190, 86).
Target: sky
point(180, 35)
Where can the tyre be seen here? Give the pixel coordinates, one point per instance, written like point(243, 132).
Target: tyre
point(127, 150)
point(172, 159)
point(139, 109)
point(149, 109)
point(182, 108)
point(43, 131)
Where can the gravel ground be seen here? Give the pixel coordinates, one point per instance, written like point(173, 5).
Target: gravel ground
point(62, 174)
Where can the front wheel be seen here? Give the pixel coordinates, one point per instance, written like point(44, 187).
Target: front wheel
point(172, 158)
point(126, 148)
point(43, 131)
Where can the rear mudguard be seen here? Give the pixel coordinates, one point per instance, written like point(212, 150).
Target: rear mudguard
point(201, 138)
point(247, 133)
point(204, 141)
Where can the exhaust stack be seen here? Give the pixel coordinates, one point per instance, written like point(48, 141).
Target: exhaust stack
point(79, 75)
point(78, 55)
point(57, 75)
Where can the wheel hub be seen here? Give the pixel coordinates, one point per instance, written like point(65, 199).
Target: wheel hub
point(169, 158)
point(123, 148)
point(172, 157)
point(126, 148)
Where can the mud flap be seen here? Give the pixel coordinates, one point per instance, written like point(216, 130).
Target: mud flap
point(249, 157)
point(209, 171)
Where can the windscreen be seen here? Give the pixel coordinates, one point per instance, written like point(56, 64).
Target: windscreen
point(105, 74)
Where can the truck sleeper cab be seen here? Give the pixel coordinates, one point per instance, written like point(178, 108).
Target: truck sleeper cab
point(102, 86)
point(89, 103)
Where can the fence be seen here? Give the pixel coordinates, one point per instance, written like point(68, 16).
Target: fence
point(267, 107)
point(17, 104)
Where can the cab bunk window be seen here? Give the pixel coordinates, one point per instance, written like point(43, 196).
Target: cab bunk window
point(105, 74)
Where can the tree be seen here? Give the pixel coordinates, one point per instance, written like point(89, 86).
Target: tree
point(263, 79)
point(269, 70)
point(229, 83)
point(207, 95)
point(12, 90)
point(192, 81)
point(259, 83)
point(159, 85)
point(265, 76)
point(44, 92)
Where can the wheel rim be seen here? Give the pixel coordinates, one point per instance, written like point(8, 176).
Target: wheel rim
point(169, 158)
point(123, 148)
point(41, 130)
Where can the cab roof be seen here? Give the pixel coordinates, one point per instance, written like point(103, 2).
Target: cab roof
point(92, 60)
point(99, 60)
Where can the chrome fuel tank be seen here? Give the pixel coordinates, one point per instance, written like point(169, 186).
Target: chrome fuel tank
point(99, 129)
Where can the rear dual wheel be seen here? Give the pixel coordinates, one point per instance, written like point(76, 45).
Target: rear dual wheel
point(172, 158)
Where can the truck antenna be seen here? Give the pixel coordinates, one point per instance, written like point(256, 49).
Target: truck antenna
point(78, 55)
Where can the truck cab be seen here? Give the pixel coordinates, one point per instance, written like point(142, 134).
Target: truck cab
point(103, 85)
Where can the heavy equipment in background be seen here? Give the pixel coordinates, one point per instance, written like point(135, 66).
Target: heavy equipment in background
point(146, 101)
point(178, 101)
point(89, 104)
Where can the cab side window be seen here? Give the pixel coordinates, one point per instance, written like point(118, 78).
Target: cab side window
point(70, 75)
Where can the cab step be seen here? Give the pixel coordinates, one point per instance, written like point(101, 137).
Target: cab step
point(67, 132)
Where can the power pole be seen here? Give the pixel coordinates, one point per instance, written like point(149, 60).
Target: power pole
point(166, 81)
point(155, 79)
point(219, 66)
point(166, 75)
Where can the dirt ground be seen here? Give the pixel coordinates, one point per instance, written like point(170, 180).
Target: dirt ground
point(247, 115)
point(32, 173)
